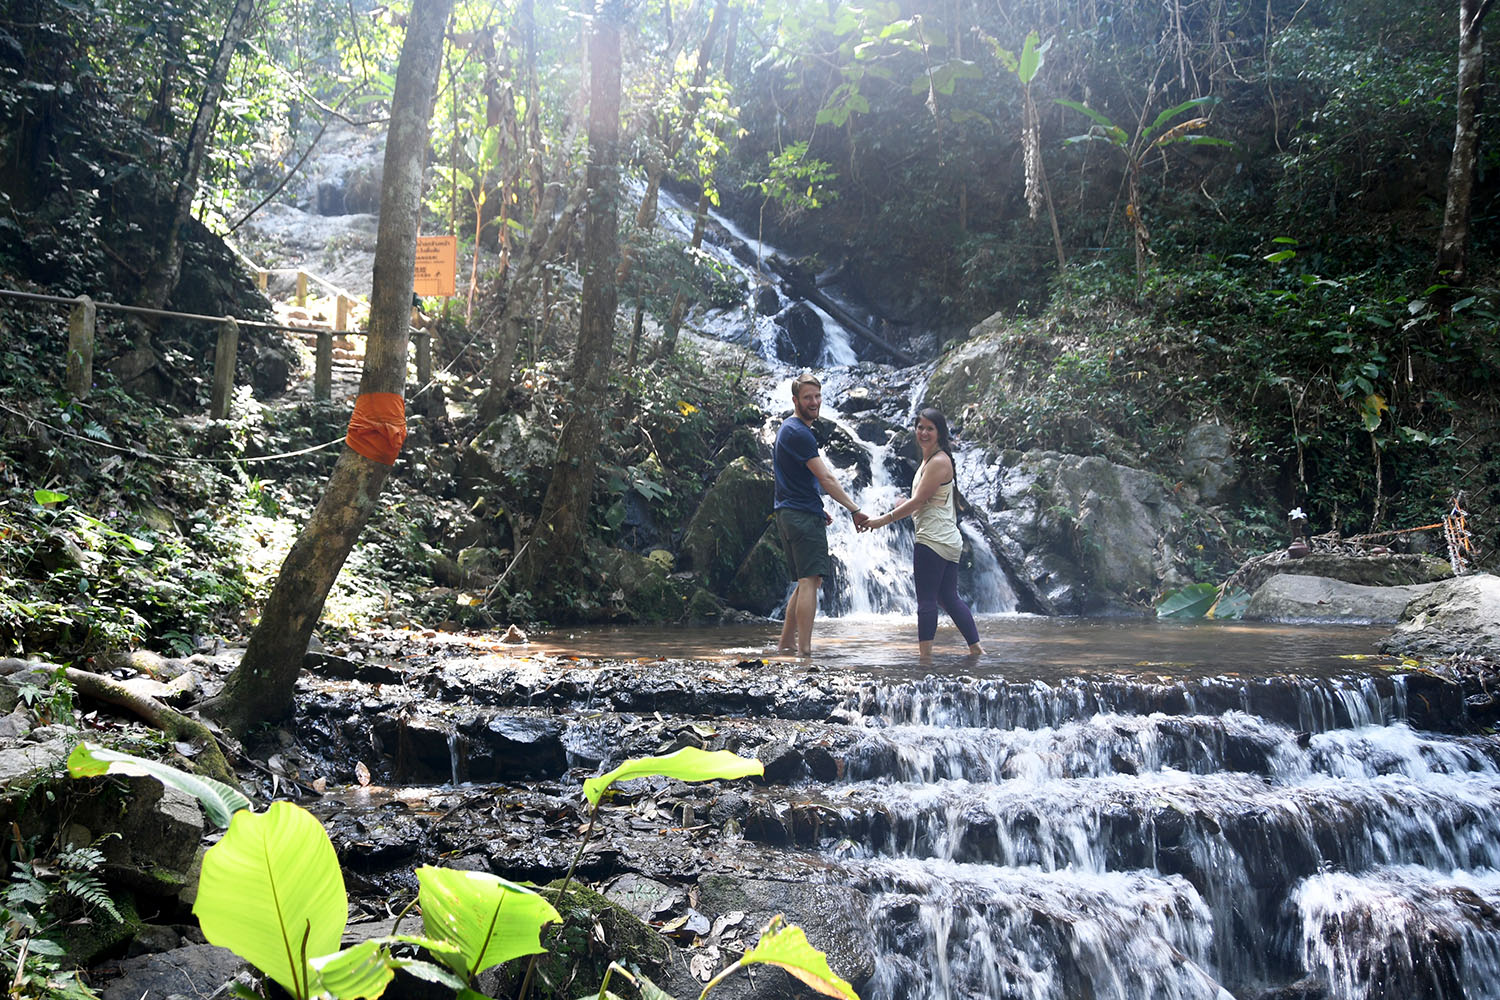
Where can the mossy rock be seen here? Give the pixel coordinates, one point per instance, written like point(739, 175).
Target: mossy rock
point(639, 587)
point(728, 521)
point(760, 583)
point(594, 933)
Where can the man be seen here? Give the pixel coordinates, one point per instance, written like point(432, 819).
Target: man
point(802, 477)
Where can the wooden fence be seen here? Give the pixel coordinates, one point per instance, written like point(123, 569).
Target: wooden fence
point(83, 316)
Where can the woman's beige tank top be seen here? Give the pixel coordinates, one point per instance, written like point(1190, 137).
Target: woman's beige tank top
point(937, 524)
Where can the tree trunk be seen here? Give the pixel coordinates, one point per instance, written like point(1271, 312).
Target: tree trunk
point(563, 521)
point(161, 280)
point(261, 687)
point(1453, 245)
point(525, 278)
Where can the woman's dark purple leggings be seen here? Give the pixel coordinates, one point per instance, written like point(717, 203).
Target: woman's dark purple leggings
point(937, 583)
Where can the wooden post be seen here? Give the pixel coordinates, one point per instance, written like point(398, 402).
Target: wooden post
point(301, 289)
point(323, 372)
point(224, 357)
point(424, 358)
point(262, 278)
point(342, 322)
point(81, 347)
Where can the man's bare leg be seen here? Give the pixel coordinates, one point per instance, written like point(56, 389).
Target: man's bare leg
point(806, 600)
point(788, 642)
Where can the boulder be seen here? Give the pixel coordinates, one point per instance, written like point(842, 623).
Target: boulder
point(728, 522)
point(760, 584)
point(1099, 537)
point(800, 338)
point(1457, 617)
point(1208, 460)
point(160, 829)
point(643, 590)
point(1388, 570)
point(1289, 598)
point(190, 971)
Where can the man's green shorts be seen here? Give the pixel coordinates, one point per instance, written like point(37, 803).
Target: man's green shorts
point(804, 539)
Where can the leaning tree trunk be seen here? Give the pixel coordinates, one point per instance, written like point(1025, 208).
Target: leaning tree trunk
point(1453, 245)
point(161, 279)
point(261, 687)
point(563, 521)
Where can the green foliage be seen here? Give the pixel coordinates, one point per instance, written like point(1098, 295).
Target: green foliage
point(272, 892)
point(219, 801)
point(1192, 601)
point(796, 181)
point(687, 764)
point(44, 895)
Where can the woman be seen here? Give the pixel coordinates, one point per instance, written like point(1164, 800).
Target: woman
point(933, 507)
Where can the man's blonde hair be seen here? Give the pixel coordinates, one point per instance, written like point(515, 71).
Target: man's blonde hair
point(806, 378)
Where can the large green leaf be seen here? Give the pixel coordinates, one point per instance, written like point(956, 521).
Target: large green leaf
point(488, 919)
point(272, 892)
point(1173, 112)
point(1032, 57)
point(360, 972)
point(687, 764)
point(1113, 133)
point(1192, 601)
point(219, 800)
point(1231, 605)
point(788, 947)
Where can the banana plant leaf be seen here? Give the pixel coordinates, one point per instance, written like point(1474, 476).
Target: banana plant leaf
point(1192, 601)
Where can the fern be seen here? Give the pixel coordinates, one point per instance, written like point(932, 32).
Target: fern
point(78, 865)
point(87, 888)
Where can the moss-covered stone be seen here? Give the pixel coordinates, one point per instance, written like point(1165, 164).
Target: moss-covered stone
point(595, 932)
point(727, 523)
point(760, 583)
point(642, 589)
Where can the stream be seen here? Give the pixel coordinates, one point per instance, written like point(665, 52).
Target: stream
point(1071, 818)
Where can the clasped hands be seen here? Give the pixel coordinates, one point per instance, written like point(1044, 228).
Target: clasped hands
point(864, 522)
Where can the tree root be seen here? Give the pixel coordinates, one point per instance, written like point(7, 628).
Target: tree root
point(209, 761)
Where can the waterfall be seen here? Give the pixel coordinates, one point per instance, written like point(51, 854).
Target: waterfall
point(872, 570)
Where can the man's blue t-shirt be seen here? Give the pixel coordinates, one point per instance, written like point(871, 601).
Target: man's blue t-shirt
point(796, 487)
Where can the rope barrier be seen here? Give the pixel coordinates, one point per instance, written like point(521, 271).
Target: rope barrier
point(144, 311)
point(178, 459)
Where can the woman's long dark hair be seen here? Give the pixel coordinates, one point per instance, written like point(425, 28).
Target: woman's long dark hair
point(945, 445)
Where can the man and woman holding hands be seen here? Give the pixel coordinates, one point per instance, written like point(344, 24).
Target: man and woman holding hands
point(802, 477)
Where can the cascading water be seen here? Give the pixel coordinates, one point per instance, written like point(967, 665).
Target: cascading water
point(872, 570)
point(1117, 837)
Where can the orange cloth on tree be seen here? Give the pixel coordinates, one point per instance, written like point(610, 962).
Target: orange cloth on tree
point(377, 428)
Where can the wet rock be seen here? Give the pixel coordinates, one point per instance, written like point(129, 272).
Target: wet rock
point(821, 762)
point(588, 743)
point(799, 339)
point(836, 919)
point(646, 898)
point(1458, 617)
point(190, 971)
point(513, 748)
point(1309, 988)
point(1287, 598)
point(426, 750)
point(782, 761)
point(767, 302)
point(728, 522)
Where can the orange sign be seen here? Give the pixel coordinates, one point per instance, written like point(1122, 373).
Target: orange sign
point(437, 265)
